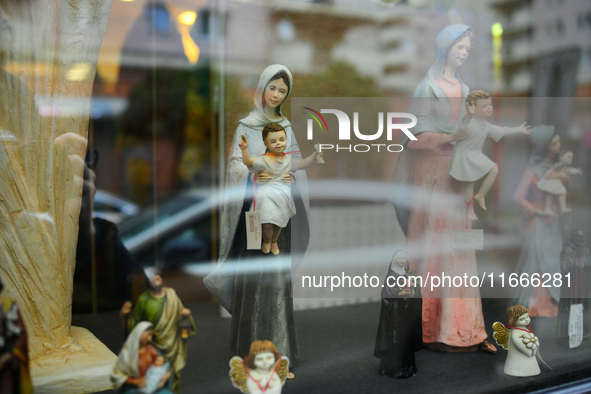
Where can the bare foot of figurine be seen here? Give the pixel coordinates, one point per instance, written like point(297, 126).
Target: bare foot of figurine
point(546, 213)
point(274, 248)
point(470, 209)
point(487, 347)
point(471, 213)
point(480, 200)
point(565, 209)
point(266, 248)
point(290, 376)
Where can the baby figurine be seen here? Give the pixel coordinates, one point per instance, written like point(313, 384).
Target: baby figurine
point(273, 199)
point(551, 183)
point(158, 372)
point(468, 163)
point(517, 337)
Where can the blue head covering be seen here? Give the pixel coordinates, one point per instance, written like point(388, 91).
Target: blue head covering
point(445, 40)
point(540, 138)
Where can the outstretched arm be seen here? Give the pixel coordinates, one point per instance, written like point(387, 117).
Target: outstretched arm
point(246, 158)
point(574, 171)
point(525, 129)
point(305, 163)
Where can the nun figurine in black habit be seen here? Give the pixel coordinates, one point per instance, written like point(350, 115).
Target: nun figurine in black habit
point(400, 330)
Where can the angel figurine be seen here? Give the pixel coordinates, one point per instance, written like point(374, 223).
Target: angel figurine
point(468, 163)
point(552, 183)
point(517, 337)
point(273, 199)
point(264, 370)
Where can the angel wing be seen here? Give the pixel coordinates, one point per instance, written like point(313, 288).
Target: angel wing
point(501, 334)
point(238, 373)
point(283, 369)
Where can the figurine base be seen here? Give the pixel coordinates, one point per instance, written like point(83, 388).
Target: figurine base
point(82, 367)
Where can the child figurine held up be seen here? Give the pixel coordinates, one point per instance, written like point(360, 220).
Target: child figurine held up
point(273, 199)
point(469, 164)
point(552, 183)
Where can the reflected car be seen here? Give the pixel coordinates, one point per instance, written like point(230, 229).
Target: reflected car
point(177, 236)
point(113, 208)
point(179, 230)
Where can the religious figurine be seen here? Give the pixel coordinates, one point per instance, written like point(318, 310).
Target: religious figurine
point(452, 317)
point(542, 238)
point(264, 370)
point(552, 183)
point(400, 332)
point(273, 199)
point(14, 350)
point(163, 308)
point(575, 261)
point(155, 375)
point(260, 300)
point(469, 164)
point(140, 369)
point(517, 337)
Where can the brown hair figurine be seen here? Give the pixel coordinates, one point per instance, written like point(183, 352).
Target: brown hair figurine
point(271, 128)
point(279, 76)
point(263, 370)
point(258, 347)
point(468, 163)
point(473, 97)
point(514, 313)
point(517, 337)
point(273, 199)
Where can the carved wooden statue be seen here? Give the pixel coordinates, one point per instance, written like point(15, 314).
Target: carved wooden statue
point(48, 55)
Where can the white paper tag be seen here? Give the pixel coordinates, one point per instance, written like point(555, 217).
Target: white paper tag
point(467, 239)
point(253, 230)
point(575, 325)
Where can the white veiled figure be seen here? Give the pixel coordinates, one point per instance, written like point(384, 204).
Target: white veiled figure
point(230, 273)
point(127, 361)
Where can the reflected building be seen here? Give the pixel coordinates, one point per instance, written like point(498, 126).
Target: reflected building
point(392, 43)
point(551, 37)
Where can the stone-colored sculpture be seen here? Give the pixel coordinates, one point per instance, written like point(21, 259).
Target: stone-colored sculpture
point(48, 56)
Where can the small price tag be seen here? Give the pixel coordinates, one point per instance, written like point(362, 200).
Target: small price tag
point(319, 159)
point(467, 239)
point(575, 325)
point(253, 230)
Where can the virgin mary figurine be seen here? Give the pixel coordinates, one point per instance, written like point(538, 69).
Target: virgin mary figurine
point(542, 238)
point(430, 206)
point(255, 287)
